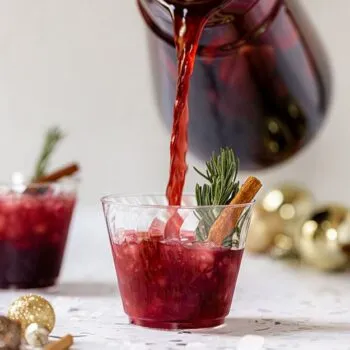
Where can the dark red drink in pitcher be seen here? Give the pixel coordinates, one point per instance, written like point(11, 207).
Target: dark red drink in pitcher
point(260, 83)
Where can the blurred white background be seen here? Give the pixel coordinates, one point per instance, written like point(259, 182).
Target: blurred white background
point(83, 64)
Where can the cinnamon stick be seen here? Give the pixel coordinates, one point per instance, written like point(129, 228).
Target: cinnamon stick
point(63, 344)
point(58, 174)
point(229, 217)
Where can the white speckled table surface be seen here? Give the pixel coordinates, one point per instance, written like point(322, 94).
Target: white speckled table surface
point(289, 307)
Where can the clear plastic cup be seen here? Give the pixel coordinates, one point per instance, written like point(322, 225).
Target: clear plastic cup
point(34, 225)
point(169, 275)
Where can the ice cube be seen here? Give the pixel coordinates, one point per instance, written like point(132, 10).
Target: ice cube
point(202, 257)
point(132, 251)
point(172, 251)
point(207, 256)
point(130, 236)
point(157, 227)
point(173, 226)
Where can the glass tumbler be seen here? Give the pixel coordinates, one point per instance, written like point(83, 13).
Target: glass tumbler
point(34, 224)
point(170, 275)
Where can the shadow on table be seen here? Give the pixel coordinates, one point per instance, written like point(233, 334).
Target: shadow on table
point(273, 327)
point(85, 289)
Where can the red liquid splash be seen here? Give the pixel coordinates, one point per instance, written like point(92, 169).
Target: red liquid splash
point(187, 34)
point(188, 23)
point(189, 20)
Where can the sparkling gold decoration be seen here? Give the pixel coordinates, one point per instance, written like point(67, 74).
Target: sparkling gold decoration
point(36, 335)
point(10, 334)
point(30, 309)
point(290, 202)
point(276, 218)
point(264, 228)
point(323, 236)
point(286, 225)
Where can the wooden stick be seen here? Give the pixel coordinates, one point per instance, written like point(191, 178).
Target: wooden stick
point(58, 174)
point(63, 344)
point(229, 217)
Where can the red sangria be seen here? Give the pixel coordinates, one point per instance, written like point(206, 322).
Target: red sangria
point(34, 224)
point(173, 283)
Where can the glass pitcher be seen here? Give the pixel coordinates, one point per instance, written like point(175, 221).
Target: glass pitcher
point(261, 82)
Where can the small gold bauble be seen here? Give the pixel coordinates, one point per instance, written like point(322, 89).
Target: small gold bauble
point(10, 334)
point(30, 309)
point(323, 236)
point(263, 229)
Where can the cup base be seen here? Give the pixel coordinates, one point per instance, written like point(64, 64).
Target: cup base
point(195, 324)
point(28, 284)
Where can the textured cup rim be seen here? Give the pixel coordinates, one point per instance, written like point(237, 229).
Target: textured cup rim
point(113, 199)
point(72, 183)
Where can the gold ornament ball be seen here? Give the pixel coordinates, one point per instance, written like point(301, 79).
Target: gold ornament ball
point(290, 203)
point(264, 228)
point(30, 309)
point(323, 236)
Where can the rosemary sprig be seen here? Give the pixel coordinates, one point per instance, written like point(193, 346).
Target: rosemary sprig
point(222, 186)
point(221, 173)
point(52, 138)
